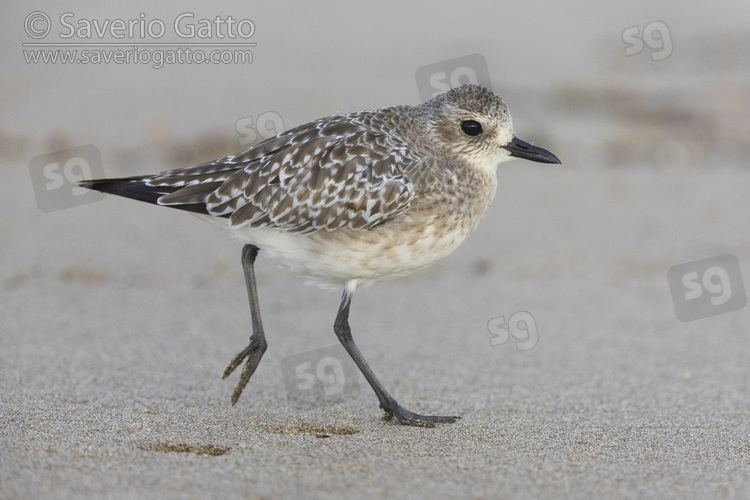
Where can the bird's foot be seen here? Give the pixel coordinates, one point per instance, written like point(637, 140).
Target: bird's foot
point(406, 417)
point(253, 352)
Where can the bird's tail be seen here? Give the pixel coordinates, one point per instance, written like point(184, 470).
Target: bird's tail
point(137, 188)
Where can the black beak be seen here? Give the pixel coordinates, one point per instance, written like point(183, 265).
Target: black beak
point(522, 149)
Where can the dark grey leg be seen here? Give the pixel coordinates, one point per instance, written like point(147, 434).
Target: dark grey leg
point(387, 403)
point(254, 351)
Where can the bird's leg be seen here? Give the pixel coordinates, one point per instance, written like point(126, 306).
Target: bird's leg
point(254, 351)
point(387, 403)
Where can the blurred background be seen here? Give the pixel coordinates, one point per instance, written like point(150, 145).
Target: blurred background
point(608, 87)
point(678, 101)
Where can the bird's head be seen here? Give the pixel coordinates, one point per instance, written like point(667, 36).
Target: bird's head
point(472, 124)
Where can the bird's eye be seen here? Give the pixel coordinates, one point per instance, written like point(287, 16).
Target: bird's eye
point(471, 127)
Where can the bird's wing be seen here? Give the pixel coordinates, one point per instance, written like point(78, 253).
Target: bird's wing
point(327, 175)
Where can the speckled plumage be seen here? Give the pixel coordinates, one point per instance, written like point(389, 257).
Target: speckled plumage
point(351, 199)
point(354, 198)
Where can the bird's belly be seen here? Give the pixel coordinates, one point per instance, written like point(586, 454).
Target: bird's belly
point(388, 251)
point(331, 259)
point(414, 240)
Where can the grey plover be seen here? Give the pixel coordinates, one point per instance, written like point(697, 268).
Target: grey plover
point(351, 199)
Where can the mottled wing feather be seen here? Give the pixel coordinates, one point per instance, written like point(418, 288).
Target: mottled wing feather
point(326, 175)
